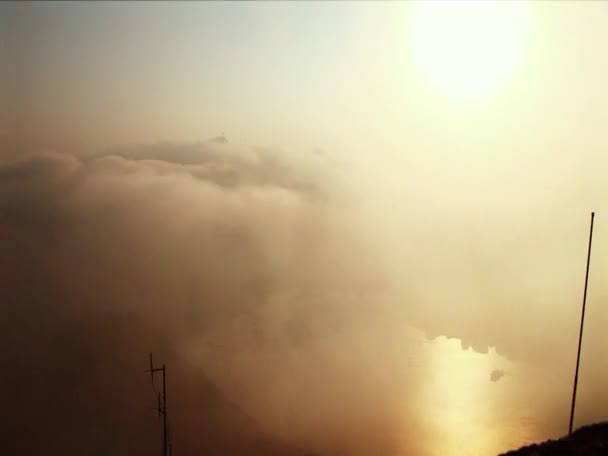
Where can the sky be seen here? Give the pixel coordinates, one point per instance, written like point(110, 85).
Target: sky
point(306, 73)
point(310, 210)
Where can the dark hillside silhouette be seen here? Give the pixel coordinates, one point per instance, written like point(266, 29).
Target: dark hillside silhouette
point(590, 440)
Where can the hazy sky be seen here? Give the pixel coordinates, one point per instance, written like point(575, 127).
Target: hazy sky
point(390, 167)
point(331, 75)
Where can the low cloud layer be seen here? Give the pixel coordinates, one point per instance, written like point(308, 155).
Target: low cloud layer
point(227, 264)
point(276, 286)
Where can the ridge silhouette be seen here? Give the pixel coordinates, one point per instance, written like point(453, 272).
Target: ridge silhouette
point(591, 440)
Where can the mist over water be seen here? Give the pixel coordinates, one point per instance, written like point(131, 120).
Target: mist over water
point(301, 304)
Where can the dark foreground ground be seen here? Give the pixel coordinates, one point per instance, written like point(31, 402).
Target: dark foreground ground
point(590, 440)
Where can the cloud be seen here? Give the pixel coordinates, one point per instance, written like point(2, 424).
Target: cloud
point(496, 375)
point(242, 286)
point(229, 165)
point(277, 286)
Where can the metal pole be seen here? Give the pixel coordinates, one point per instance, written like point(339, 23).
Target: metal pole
point(162, 409)
point(164, 412)
point(580, 336)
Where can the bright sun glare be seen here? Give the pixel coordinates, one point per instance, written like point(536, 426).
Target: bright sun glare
point(468, 48)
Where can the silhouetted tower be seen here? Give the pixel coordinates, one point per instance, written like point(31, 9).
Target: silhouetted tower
point(580, 335)
point(161, 402)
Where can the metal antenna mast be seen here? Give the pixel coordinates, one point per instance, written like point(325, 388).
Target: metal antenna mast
point(580, 336)
point(162, 408)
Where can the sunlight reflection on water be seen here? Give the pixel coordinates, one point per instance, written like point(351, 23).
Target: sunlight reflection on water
point(466, 413)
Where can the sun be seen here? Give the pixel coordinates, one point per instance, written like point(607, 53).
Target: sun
point(467, 49)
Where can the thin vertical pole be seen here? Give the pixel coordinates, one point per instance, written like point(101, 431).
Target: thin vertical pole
point(164, 411)
point(580, 336)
